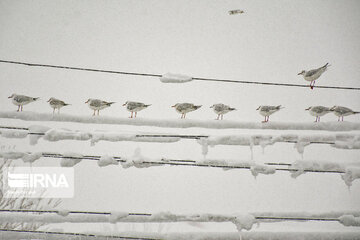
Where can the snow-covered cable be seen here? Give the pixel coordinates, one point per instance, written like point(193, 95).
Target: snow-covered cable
point(177, 123)
point(159, 75)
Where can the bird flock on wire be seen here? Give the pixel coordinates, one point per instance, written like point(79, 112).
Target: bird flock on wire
point(183, 108)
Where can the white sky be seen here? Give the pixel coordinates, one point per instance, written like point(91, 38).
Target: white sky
point(271, 42)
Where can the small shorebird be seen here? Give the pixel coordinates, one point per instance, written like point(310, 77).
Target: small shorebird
point(266, 111)
point(184, 108)
point(342, 111)
point(313, 74)
point(221, 109)
point(135, 107)
point(56, 104)
point(318, 111)
point(236, 11)
point(21, 100)
point(97, 104)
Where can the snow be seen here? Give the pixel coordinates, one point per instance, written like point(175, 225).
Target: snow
point(64, 134)
point(314, 165)
point(175, 78)
point(63, 212)
point(177, 123)
point(351, 173)
point(32, 157)
point(116, 216)
point(36, 129)
point(256, 169)
point(245, 221)
point(70, 159)
point(106, 161)
point(10, 133)
point(11, 155)
point(349, 220)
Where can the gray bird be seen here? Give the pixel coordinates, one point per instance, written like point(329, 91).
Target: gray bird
point(266, 111)
point(21, 100)
point(342, 111)
point(184, 108)
point(221, 109)
point(318, 111)
point(313, 74)
point(135, 107)
point(56, 104)
point(97, 104)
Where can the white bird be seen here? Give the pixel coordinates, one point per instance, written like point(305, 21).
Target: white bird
point(342, 111)
point(20, 100)
point(236, 11)
point(313, 74)
point(318, 111)
point(56, 104)
point(97, 104)
point(266, 111)
point(184, 108)
point(221, 109)
point(135, 107)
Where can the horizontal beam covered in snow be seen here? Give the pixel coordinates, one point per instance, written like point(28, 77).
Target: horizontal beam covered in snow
point(183, 123)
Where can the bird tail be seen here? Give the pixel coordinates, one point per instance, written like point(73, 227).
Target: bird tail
point(67, 104)
point(232, 109)
point(356, 112)
point(147, 105)
point(326, 65)
point(197, 107)
point(109, 103)
point(35, 98)
point(279, 107)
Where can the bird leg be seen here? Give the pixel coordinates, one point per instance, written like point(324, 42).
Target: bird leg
point(53, 111)
point(217, 117)
point(342, 118)
point(98, 112)
point(184, 115)
point(131, 116)
point(135, 114)
point(18, 108)
point(94, 113)
point(21, 108)
point(58, 110)
point(312, 84)
point(222, 116)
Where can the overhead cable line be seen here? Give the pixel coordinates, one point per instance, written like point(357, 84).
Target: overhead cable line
point(159, 75)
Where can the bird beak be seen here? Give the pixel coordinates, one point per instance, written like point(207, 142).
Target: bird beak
point(211, 107)
point(87, 101)
point(10, 97)
point(173, 106)
point(258, 108)
point(124, 104)
point(299, 73)
point(307, 109)
point(48, 100)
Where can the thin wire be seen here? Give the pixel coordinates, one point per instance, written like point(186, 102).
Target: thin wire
point(78, 234)
point(158, 75)
point(149, 215)
point(192, 163)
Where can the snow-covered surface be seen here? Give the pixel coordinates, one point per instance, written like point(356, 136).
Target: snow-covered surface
point(349, 220)
point(175, 78)
point(70, 159)
point(179, 123)
point(106, 161)
point(245, 221)
point(351, 173)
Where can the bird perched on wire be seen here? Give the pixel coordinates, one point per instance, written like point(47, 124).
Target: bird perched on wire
point(135, 107)
point(221, 109)
point(56, 104)
point(21, 100)
point(266, 111)
point(318, 111)
point(236, 11)
point(342, 111)
point(184, 108)
point(313, 74)
point(97, 104)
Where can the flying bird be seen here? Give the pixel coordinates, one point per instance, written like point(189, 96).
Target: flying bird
point(236, 11)
point(97, 104)
point(318, 111)
point(135, 107)
point(184, 108)
point(21, 100)
point(221, 109)
point(56, 104)
point(266, 111)
point(342, 111)
point(313, 74)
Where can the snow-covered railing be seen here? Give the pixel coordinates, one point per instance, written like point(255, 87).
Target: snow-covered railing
point(52, 235)
point(348, 172)
point(182, 123)
point(241, 221)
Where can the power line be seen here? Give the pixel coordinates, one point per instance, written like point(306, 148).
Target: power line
point(159, 75)
point(199, 217)
point(78, 234)
point(192, 163)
